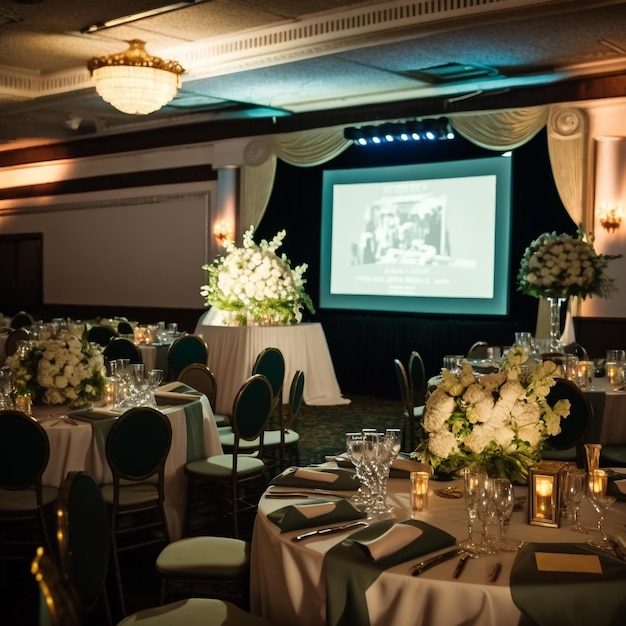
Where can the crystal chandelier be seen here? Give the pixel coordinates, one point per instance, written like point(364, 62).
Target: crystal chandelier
point(135, 82)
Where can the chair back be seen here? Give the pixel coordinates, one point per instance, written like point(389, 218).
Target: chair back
point(125, 328)
point(122, 348)
point(417, 378)
point(21, 319)
point(138, 444)
point(478, 350)
point(201, 378)
point(270, 362)
point(24, 451)
point(83, 533)
point(184, 351)
point(575, 426)
point(403, 384)
point(13, 339)
point(101, 335)
point(251, 408)
point(296, 392)
point(58, 604)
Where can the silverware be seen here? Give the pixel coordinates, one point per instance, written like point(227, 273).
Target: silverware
point(421, 567)
point(460, 566)
point(329, 531)
point(496, 572)
point(288, 494)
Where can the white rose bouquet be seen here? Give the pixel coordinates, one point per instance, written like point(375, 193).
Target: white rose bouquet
point(560, 266)
point(65, 370)
point(499, 420)
point(256, 285)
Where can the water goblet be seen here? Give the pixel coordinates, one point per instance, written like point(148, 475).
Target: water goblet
point(504, 501)
point(155, 378)
point(601, 502)
point(354, 449)
point(486, 514)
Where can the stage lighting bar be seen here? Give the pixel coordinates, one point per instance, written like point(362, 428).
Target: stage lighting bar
point(430, 129)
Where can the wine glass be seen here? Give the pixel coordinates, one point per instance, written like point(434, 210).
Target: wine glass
point(504, 501)
point(472, 480)
point(574, 492)
point(601, 501)
point(155, 378)
point(486, 513)
point(354, 449)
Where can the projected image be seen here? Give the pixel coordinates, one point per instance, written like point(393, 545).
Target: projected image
point(430, 237)
point(417, 238)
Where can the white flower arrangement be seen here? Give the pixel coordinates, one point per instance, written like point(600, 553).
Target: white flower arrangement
point(499, 420)
point(561, 266)
point(255, 285)
point(64, 370)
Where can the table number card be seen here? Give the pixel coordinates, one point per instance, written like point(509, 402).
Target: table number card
point(557, 562)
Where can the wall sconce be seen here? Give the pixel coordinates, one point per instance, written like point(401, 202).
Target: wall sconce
point(544, 482)
point(610, 215)
point(221, 232)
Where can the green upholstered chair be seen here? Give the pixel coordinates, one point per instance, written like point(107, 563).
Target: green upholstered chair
point(101, 335)
point(271, 363)
point(201, 378)
point(184, 351)
point(412, 414)
point(57, 606)
point(122, 348)
point(13, 339)
point(136, 448)
point(22, 319)
point(230, 484)
point(84, 543)
point(568, 445)
point(26, 504)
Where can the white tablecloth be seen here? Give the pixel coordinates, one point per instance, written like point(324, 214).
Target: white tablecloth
point(287, 584)
point(233, 350)
point(73, 447)
point(613, 419)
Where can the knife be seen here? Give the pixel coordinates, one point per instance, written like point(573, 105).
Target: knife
point(460, 566)
point(496, 572)
point(329, 531)
point(420, 568)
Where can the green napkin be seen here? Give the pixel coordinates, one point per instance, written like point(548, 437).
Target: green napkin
point(295, 516)
point(349, 569)
point(569, 598)
point(100, 423)
point(303, 478)
point(194, 418)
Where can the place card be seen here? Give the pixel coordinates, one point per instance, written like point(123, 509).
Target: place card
point(557, 562)
point(311, 511)
point(307, 474)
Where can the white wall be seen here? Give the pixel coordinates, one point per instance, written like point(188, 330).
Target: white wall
point(140, 247)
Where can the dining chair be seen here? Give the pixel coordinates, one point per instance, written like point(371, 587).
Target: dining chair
point(26, 504)
point(201, 377)
point(21, 319)
point(84, 543)
point(136, 449)
point(230, 484)
point(101, 335)
point(122, 348)
point(270, 362)
point(13, 339)
point(185, 350)
point(568, 445)
point(57, 604)
point(411, 412)
point(125, 328)
point(478, 350)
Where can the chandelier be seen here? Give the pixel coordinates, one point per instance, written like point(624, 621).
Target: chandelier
point(135, 82)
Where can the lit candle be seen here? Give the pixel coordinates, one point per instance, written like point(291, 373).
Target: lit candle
point(109, 391)
point(23, 402)
point(614, 373)
point(419, 491)
point(543, 493)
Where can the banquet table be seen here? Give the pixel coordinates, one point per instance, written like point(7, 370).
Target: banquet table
point(154, 355)
point(79, 445)
point(288, 584)
point(3, 341)
point(233, 351)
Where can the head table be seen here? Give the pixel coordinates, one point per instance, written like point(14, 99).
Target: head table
point(288, 583)
point(77, 443)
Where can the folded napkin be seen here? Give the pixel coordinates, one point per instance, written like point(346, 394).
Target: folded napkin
point(351, 567)
point(172, 397)
point(94, 414)
point(616, 486)
point(177, 387)
point(331, 479)
point(404, 465)
point(314, 513)
point(568, 598)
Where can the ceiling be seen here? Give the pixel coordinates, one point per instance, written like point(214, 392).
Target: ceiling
point(288, 58)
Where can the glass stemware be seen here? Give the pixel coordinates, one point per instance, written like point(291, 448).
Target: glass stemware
point(574, 492)
point(472, 481)
point(354, 449)
point(504, 501)
point(486, 513)
point(598, 482)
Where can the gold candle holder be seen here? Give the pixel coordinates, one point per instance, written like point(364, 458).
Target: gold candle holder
point(419, 491)
point(592, 452)
point(24, 403)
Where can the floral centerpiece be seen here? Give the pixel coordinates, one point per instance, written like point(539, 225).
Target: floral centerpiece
point(562, 266)
point(499, 420)
point(256, 286)
point(64, 370)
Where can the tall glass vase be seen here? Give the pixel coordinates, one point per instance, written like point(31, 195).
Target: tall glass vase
point(555, 323)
